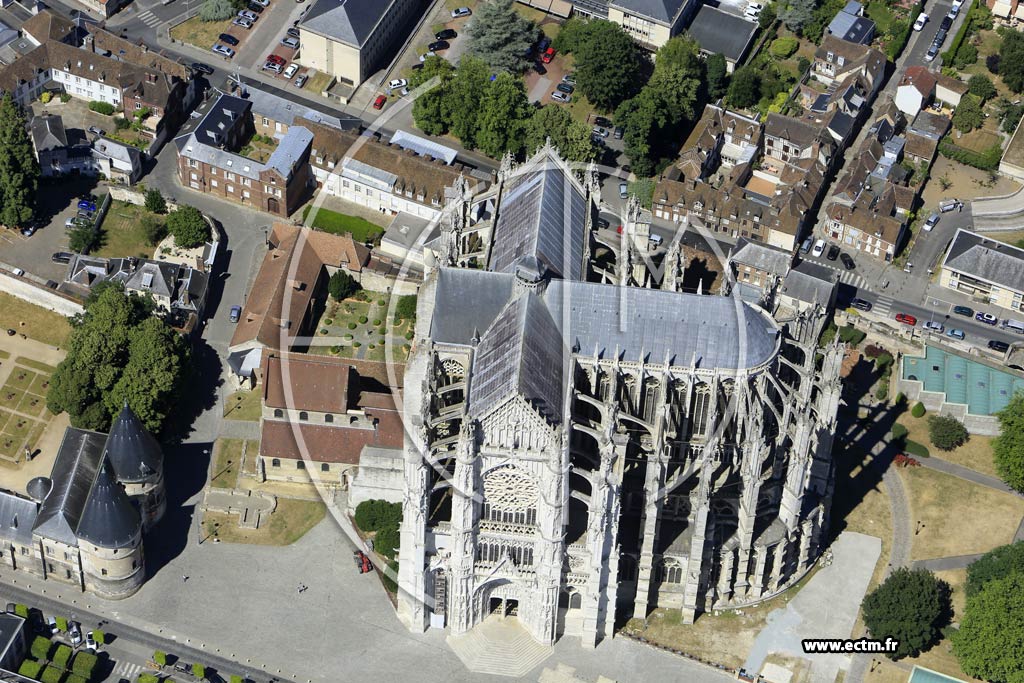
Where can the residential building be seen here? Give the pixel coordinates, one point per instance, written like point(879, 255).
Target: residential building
point(836, 60)
point(47, 26)
point(320, 414)
point(923, 135)
point(949, 90)
point(118, 161)
point(718, 31)
point(351, 39)
point(1010, 10)
point(289, 292)
point(83, 524)
point(915, 91)
point(989, 271)
point(567, 485)
point(851, 25)
point(60, 153)
point(758, 265)
point(273, 115)
point(652, 22)
point(209, 158)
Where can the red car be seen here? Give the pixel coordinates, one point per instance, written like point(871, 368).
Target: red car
point(906, 319)
point(379, 102)
point(362, 562)
point(276, 59)
point(548, 55)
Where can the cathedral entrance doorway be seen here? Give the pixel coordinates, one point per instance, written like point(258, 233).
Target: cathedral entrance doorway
point(503, 607)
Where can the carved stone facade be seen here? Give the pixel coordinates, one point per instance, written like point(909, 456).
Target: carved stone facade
point(580, 451)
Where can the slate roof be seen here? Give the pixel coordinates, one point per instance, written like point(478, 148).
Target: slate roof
point(108, 520)
point(74, 471)
point(719, 31)
point(662, 11)
point(986, 259)
point(811, 283)
point(17, 517)
point(48, 133)
point(277, 108)
point(118, 151)
point(134, 453)
point(347, 21)
point(761, 256)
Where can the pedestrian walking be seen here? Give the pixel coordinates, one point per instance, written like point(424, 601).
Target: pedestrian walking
point(184, 578)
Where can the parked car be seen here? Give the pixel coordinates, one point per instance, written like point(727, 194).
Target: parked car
point(932, 53)
point(289, 41)
point(922, 19)
point(997, 345)
point(940, 37)
point(52, 623)
point(565, 87)
point(618, 132)
point(236, 314)
point(428, 53)
point(293, 32)
point(947, 205)
point(248, 14)
point(819, 248)
point(28, 230)
point(596, 139)
point(261, 3)
point(202, 68)
point(228, 38)
point(243, 22)
point(906, 319)
point(861, 304)
point(598, 130)
point(947, 21)
point(301, 80)
point(933, 326)
point(61, 257)
point(253, 7)
point(562, 97)
point(397, 83)
point(87, 204)
point(379, 102)
point(569, 78)
point(623, 190)
point(70, 223)
point(806, 246)
point(847, 261)
point(291, 70)
point(96, 130)
point(548, 55)
point(417, 66)
point(276, 59)
point(18, 272)
point(932, 221)
point(446, 34)
point(955, 333)
point(273, 66)
point(986, 318)
point(75, 631)
point(602, 121)
point(964, 310)
point(224, 50)
point(954, 10)
point(90, 642)
point(438, 45)
point(833, 252)
point(461, 12)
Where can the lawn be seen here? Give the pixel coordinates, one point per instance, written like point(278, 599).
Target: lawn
point(227, 458)
point(243, 405)
point(202, 34)
point(950, 516)
point(259, 149)
point(1014, 237)
point(883, 16)
point(38, 323)
point(318, 81)
point(547, 23)
point(336, 223)
point(122, 232)
point(288, 523)
point(976, 454)
point(357, 328)
point(979, 140)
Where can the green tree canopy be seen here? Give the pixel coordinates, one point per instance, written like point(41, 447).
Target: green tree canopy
point(432, 66)
point(504, 110)
point(216, 10)
point(501, 36)
point(608, 65)
point(642, 118)
point(155, 201)
point(341, 285)
point(462, 99)
point(570, 136)
point(118, 352)
point(19, 170)
point(188, 226)
point(990, 641)
point(798, 13)
point(1011, 60)
point(946, 432)
point(717, 75)
point(981, 85)
point(911, 606)
point(1008, 447)
point(428, 112)
point(995, 564)
point(744, 87)
point(968, 114)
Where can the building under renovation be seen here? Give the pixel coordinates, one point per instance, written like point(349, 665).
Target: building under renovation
point(585, 440)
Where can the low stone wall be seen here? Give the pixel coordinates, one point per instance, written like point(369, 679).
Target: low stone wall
point(376, 282)
point(33, 293)
point(381, 474)
point(130, 196)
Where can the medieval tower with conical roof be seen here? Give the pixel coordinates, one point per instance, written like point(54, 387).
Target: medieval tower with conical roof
point(139, 465)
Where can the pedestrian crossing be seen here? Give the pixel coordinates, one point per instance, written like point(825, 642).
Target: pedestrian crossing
point(149, 19)
point(882, 306)
point(127, 670)
point(847, 277)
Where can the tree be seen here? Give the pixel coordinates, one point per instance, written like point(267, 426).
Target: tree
point(572, 137)
point(216, 10)
point(965, 56)
point(968, 114)
point(607, 65)
point(153, 230)
point(432, 66)
point(148, 678)
point(911, 607)
point(160, 658)
point(198, 670)
point(82, 239)
point(574, 31)
point(62, 623)
point(235, 678)
point(767, 17)
point(744, 87)
point(51, 674)
point(155, 201)
point(995, 564)
point(117, 353)
point(1011, 60)
point(84, 664)
point(100, 637)
point(188, 226)
point(461, 107)
point(717, 75)
point(341, 285)
point(501, 36)
point(784, 47)
point(61, 655)
point(1008, 447)
point(405, 308)
point(428, 112)
point(504, 110)
point(40, 648)
point(641, 117)
point(677, 78)
point(988, 643)
point(30, 668)
point(798, 13)
point(19, 170)
point(946, 432)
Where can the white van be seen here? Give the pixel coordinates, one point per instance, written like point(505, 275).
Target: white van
point(949, 204)
point(1014, 326)
point(656, 241)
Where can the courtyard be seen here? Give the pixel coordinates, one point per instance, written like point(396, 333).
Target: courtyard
point(360, 327)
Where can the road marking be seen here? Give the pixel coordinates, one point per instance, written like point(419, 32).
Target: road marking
point(150, 19)
point(127, 670)
point(883, 305)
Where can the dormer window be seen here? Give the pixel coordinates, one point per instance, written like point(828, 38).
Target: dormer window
point(830, 56)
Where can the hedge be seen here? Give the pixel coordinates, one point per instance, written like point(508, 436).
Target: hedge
point(51, 674)
point(75, 678)
point(918, 410)
point(40, 647)
point(915, 448)
point(101, 107)
point(899, 432)
point(30, 668)
point(62, 656)
point(376, 515)
point(84, 664)
point(986, 161)
point(965, 30)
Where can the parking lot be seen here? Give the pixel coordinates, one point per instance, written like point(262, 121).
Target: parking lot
point(33, 254)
